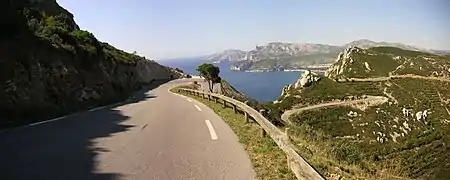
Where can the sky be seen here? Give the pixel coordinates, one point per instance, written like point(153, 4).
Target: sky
point(164, 29)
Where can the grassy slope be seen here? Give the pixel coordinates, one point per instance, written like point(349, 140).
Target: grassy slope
point(382, 61)
point(422, 153)
point(268, 160)
point(336, 143)
point(328, 90)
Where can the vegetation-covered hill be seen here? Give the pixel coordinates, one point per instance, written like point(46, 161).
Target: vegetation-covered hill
point(50, 67)
point(355, 62)
point(406, 137)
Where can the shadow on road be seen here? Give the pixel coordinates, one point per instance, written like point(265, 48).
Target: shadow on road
point(65, 149)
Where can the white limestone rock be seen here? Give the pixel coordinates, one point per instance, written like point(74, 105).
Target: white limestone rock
point(367, 66)
point(352, 114)
point(307, 79)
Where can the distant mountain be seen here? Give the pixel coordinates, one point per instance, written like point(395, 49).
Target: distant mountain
point(365, 43)
point(227, 55)
point(441, 51)
point(281, 55)
point(277, 50)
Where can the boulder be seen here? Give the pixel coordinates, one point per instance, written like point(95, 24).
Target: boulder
point(419, 115)
point(307, 79)
point(352, 114)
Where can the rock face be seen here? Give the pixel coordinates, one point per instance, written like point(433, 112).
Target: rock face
point(44, 76)
point(343, 61)
point(286, 89)
point(307, 79)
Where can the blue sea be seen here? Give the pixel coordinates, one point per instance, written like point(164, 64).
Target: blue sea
point(262, 86)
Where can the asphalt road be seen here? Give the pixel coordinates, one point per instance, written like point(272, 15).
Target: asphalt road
point(285, 116)
point(154, 135)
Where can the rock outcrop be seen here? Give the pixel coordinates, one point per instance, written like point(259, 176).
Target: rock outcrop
point(343, 61)
point(286, 89)
point(48, 70)
point(307, 79)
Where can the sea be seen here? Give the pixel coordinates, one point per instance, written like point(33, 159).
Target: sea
point(261, 86)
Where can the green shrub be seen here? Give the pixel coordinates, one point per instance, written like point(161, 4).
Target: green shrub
point(346, 151)
point(85, 36)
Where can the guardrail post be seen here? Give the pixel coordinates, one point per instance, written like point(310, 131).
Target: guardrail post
point(224, 103)
point(263, 132)
point(209, 97)
point(215, 99)
point(234, 108)
point(246, 117)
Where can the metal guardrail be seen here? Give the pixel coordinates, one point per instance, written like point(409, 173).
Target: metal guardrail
point(296, 163)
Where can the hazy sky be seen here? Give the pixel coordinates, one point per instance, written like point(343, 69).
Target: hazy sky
point(161, 29)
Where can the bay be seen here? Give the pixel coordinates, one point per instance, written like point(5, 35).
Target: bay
point(261, 86)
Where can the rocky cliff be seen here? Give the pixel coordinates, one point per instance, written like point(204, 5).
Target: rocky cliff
point(49, 67)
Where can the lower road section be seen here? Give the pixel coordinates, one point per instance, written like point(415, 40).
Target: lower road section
point(154, 135)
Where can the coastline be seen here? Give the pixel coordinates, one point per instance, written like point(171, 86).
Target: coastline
point(285, 70)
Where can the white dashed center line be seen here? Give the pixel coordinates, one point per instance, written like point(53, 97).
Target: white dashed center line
point(47, 121)
point(211, 130)
point(198, 108)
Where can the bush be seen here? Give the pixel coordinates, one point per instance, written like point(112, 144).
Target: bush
point(346, 151)
point(85, 37)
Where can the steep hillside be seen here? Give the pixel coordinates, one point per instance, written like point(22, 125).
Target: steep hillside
point(49, 67)
point(355, 62)
point(344, 132)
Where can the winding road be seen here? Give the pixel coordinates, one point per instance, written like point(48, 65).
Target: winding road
point(285, 116)
point(154, 135)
